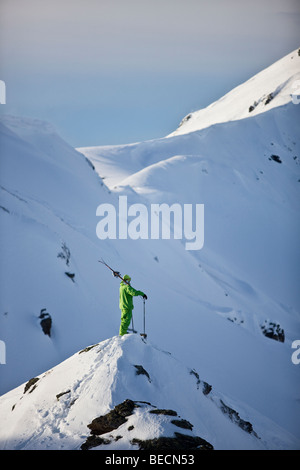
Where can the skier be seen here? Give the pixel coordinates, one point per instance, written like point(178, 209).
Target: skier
point(126, 302)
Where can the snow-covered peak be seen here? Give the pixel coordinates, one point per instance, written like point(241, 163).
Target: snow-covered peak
point(124, 393)
point(275, 86)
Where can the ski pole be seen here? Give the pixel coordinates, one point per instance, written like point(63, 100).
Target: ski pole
point(144, 301)
point(144, 308)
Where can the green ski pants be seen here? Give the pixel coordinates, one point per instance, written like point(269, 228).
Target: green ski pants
point(125, 321)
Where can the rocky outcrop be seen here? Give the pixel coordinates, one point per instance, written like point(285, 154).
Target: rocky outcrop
point(118, 416)
point(178, 442)
point(141, 371)
point(235, 418)
point(46, 322)
point(273, 330)
point(31, 385)
point(113, 419)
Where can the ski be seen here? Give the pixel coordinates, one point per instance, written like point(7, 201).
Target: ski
point(144, 312)
point(115, 273)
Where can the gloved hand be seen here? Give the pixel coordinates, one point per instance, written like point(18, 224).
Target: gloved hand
point(145, 297)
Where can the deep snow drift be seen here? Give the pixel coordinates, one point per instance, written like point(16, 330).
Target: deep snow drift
point(211, 308)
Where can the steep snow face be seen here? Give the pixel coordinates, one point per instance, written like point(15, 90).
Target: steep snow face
point(275, 86)
point(54, 411)
point(49, 194)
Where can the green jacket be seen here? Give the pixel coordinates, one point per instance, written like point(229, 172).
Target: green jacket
point(126, 294)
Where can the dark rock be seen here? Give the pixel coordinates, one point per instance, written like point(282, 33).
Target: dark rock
point(65, 254)
point(253, 106)
point(273, 330)
point(90, 163)
point(70, 275)
point(141, 371)
point(118, 416)
point(113, 419)
point(61, 394)
point(193, 372)
point(206, 388)
point(46, 322)
point(31, 383)
point(182, 423)
point(94, 441)
point(276, 158)
point(269, 98)
point(108, 423)
point(126, 408)
point(235, 417)
point(87, 349)
point(163, 412)
point(185, 119)
point(179, 442)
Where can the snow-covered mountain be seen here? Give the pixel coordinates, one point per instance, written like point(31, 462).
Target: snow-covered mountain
point(269, 89)
point(126, 394)
point(217, 310)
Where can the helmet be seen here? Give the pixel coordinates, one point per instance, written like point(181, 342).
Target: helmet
point(127, 277)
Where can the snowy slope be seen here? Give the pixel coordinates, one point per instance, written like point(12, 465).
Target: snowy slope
point(55, 411)
point(49, 194)
point(273, 87)
point(206, 307)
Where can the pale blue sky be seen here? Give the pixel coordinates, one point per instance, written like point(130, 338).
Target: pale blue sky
point(119, 71)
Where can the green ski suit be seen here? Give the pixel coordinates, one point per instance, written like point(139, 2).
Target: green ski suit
point(126, 305)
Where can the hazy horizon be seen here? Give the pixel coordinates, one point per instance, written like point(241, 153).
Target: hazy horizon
point(119, 71)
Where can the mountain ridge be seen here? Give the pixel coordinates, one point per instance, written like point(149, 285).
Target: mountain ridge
point(272, 87)
point(57, 409)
